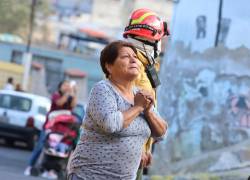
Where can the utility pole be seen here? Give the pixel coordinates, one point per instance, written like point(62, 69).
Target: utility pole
point(219, 24)
point(27, 56)
point(32, 15)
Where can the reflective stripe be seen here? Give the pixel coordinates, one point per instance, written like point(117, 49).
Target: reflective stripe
point(140, 19)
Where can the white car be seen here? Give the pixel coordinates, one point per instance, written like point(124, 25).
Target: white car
point(22, 116)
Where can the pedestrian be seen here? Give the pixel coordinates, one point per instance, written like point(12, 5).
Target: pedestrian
point(9, 85)
point(63, 99)
point(146, 30)
point(18, 87)
point(119, 118)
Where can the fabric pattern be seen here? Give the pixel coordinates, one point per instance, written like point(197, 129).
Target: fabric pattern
point(106, 150)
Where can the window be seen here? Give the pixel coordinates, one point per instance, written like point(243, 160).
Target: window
point(42, 110)
point(15, 102)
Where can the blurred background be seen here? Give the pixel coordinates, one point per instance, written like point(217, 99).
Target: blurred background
point(205, 74)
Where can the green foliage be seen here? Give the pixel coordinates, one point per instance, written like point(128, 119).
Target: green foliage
point(205, 176)
point(15, 15)
point(157, 178)
point(162, 178)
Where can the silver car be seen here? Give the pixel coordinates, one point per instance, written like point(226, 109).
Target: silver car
point(22, 116)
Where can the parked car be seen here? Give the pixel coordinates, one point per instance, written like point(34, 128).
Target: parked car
point(22, 116)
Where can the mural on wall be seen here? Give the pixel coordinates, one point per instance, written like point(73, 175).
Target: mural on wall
point(201, 27)
point(201, 23)
point(240, 110)
point(205, 91)
point(198, 103)
point(206, 99)
point(225, 27)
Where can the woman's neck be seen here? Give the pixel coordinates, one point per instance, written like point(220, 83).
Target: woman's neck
point(124, 88)
point(122, 85)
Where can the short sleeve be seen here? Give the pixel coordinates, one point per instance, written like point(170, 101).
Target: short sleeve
point(55, 97)
point(103, 109)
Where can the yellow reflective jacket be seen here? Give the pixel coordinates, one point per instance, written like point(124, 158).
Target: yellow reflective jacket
point(143, 82)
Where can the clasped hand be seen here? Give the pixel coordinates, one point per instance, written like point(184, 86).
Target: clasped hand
point(71, 91)
point(144, 99)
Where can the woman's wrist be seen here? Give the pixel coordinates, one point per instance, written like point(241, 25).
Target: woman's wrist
point(139, 108)
point(148, 112)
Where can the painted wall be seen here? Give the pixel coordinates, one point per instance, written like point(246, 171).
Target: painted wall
point(195, 23)
point(205, 91)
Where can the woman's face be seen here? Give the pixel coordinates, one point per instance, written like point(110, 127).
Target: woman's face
point(126, 64)
point(65, 87)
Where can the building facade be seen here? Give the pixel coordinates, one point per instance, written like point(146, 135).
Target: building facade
point(56, 64)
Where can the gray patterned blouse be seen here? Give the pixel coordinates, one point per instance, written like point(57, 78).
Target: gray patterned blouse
point(106, 150)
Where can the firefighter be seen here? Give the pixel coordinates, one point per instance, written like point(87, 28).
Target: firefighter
point(146, 30)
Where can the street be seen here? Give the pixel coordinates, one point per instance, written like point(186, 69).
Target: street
point(13, 162)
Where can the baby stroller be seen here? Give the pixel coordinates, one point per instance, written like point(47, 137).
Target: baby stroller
point(62, 131)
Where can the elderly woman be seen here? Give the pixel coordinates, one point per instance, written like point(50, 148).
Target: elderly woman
point(119, 119)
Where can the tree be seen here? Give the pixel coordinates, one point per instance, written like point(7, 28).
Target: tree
point(15, 15)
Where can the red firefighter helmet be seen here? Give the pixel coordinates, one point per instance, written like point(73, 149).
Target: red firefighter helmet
point(145, 23)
